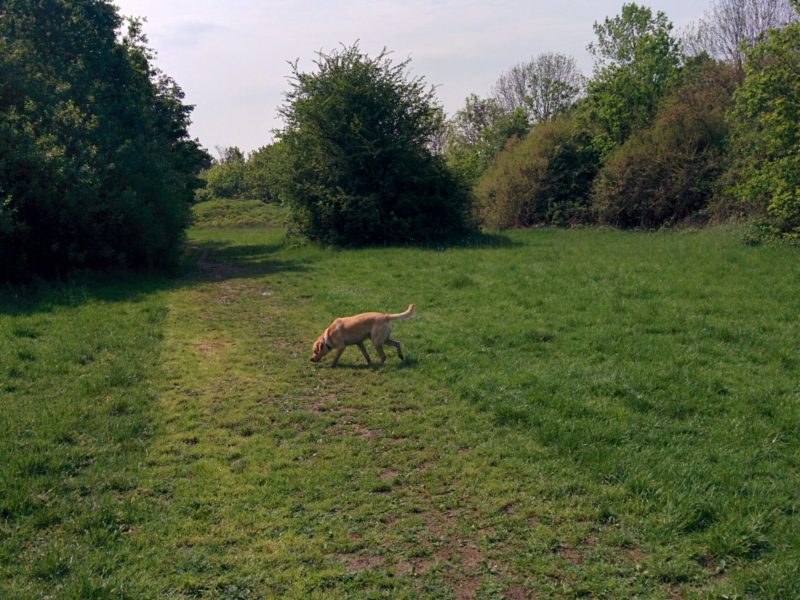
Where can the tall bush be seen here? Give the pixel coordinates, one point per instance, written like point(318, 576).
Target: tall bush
point(668, 172)
point(356, 157)
point(96, 164)
point(543, 180)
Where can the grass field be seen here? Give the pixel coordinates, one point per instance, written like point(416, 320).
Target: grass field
point(581, 413)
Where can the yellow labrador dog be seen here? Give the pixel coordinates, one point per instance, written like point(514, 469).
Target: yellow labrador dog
point(347, 331)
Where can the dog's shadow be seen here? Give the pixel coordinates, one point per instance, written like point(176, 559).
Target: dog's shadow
point(351, 367)
point(408, 363)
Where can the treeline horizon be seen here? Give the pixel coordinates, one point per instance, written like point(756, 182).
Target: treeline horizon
point(97, 168)
point(667, 129)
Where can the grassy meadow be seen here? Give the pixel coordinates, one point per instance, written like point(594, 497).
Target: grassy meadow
point(581, 413)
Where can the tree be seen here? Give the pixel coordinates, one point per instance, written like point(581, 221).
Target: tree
point(731, 26)
point(542, 87)
point(96, 165)
point(478, 132)
point(358, 167)
point(262, 171)
point(636, 60)
point(225, 178)
point(766, 130)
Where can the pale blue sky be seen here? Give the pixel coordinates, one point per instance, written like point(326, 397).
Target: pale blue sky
point(231, 57)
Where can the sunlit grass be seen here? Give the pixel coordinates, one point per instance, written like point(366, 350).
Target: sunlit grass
point(237, 213)
point(580, 413)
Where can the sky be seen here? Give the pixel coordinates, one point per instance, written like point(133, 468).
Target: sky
point(231, 58)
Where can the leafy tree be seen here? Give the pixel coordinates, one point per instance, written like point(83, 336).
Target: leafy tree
point(478, 116)
point(636, 60)
point(96, 165)
point(225, 178)
point(234, 176)
point(478, 132)
point(357, 164)
point(262, 171)
point(668, 172)
point(766, 130)
point(542, 87)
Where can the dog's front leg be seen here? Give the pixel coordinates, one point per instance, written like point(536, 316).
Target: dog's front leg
point(338, 355)
point(364, 352)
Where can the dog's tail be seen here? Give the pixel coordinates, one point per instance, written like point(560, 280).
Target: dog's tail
point(403, 315)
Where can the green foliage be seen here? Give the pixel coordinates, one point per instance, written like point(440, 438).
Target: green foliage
point(668, 171)
point(766, 131)
point(225, 178)
point(262, 171)
point(96, 165)
point(234, 176)
point(636, 60)
point(357, 167)
point(543, 180)
point(477, 133)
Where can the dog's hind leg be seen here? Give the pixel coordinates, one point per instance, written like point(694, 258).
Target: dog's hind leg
point(380, 333)
point(396, 344)
point(381, 353)
point(364, 352)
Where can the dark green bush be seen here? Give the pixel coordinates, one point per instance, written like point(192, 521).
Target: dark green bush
point(356, 165)
point(668, 172)
point(96, 165)
point(543, 180)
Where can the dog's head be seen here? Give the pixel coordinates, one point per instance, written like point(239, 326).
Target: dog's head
point(320, 349)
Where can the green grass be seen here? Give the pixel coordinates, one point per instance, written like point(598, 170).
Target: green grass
point(77, 414)
point(581, 413)
point(237, 213)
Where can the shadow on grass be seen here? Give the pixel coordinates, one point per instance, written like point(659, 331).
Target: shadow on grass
point(354, 366)
point(220, 261)
point(408, 363)
point(483, 239)
point(210, 261)
point(202, 262)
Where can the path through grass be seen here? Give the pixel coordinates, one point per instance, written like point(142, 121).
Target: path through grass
point(581, 413)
